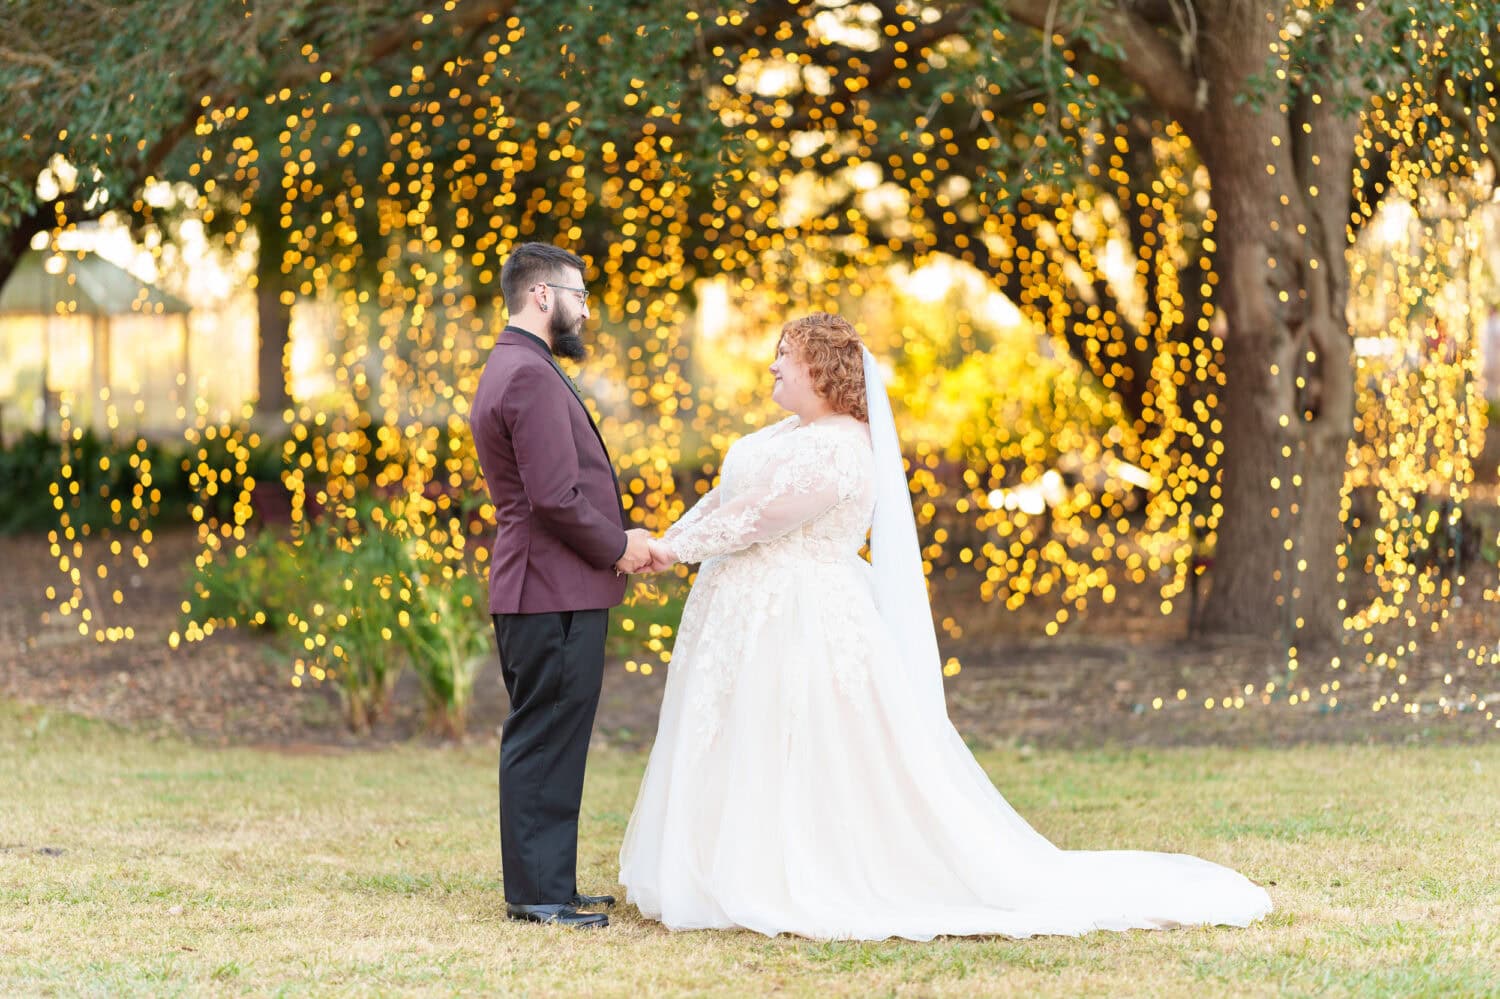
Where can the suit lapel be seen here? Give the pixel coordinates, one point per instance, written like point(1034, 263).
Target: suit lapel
point(572, 387)
point(608, 458)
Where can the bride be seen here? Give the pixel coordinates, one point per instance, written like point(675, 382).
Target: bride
point(805, 777)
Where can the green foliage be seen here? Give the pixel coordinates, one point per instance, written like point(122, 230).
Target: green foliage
point(356, 611)
point(155, 483)
point(117, 87)
point(103, 471)
point(28, 469)
point(355, 602)
point(448, 640)
point(259, 588)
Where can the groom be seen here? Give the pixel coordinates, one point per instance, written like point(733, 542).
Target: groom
point(560, 553)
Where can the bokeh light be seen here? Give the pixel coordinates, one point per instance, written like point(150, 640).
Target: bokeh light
point(1054, 341)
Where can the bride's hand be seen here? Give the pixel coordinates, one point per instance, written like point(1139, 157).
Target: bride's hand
point(662, 557)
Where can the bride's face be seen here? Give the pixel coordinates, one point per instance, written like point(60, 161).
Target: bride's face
point(794, 389)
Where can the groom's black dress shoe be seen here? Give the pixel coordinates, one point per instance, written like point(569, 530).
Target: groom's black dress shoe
point(562, 914)
point(581, 901)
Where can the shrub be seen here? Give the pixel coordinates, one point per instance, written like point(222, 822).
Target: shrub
point(448, 642)
point(109, 483)
point(360, 602)
point(353, 603)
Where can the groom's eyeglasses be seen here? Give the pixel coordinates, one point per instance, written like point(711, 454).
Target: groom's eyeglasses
point(582, 293)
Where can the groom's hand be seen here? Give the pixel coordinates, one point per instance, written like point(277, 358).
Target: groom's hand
point(637, 551)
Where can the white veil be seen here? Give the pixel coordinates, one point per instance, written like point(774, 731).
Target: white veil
point(900, 586)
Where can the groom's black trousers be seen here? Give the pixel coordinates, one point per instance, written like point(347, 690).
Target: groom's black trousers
point(553, 666)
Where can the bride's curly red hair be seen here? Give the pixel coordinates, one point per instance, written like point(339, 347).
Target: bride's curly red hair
point(835, 357)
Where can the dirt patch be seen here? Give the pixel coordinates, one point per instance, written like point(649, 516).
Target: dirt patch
point(1096, 685)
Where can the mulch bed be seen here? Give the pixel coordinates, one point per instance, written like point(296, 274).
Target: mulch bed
point(1093, 686)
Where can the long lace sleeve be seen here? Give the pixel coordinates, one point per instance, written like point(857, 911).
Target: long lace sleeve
point(818, 471)
point(707, 504)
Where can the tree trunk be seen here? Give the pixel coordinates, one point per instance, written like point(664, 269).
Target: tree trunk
point(1276, 565)
point(274, 315)
point(17, 239)
point(1281, 192)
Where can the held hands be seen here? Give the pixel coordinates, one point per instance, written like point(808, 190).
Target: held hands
point(644, 553)
point(637, 552)
point(662, 557)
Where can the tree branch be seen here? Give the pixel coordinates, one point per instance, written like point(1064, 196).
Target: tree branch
point(1144, 55)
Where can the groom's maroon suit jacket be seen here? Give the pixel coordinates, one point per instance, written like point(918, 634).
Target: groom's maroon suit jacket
point(560, 524)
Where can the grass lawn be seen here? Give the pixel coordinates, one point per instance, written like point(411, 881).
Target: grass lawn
point(135, 866)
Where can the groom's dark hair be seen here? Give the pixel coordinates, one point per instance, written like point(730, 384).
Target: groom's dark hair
point(530, 264)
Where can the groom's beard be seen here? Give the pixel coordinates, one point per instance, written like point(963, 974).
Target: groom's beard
point(567, 336)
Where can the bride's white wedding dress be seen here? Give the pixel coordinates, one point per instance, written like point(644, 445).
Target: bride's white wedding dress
point(800, 783)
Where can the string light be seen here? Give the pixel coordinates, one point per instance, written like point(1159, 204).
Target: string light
point(1034, 477)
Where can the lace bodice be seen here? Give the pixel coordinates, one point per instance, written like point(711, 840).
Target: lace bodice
point(788, 490)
